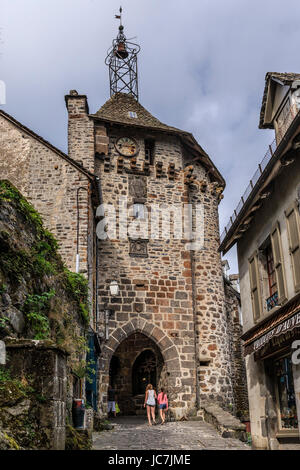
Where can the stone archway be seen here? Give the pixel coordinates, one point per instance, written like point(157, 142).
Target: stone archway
point(136, 362)
point(145, 370)
point(170, 374)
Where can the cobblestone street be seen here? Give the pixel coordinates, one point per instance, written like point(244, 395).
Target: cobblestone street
point(134, 433)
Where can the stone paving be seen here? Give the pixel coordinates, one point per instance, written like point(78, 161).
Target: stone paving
point(133, 433)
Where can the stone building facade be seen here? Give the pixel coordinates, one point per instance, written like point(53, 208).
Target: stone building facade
point(171, 302)
point(171, 307)
point(266, 229)
point(171, 319)
point(50, 180)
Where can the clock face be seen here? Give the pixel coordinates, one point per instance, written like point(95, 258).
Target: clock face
point(127, 146)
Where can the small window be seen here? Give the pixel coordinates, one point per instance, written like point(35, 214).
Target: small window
point(271, 270)
point(132, 114)
point(254, 283)
point(272, 292)
point(293, 226)
point(149, 151)
point(139, 211)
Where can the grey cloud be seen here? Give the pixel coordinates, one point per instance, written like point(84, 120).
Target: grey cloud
point(202, 68)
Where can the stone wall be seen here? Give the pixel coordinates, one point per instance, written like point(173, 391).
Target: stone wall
point(123, 376)
point(212, 339)
point(174, 298)
point(50, 183)
point(39, 300)
point(34, 412)
point(237, 361)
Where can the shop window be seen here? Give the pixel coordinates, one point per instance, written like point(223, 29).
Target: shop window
point(287, 410)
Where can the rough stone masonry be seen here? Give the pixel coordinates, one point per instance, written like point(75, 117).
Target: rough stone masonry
point(169, 295)
point(171, 299)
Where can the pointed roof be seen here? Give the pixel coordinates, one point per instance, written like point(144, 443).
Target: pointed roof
point(285, 78)
point(117, 110)
point(118, 107)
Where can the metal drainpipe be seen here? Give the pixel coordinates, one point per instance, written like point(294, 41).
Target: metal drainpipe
point(192, 259)
point(98, 183)
point(77, 242)
point(195, 327)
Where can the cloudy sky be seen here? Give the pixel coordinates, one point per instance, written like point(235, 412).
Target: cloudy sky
point(202, 67)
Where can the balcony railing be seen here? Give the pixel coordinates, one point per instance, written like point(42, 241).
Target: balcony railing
point(268, 155)
point(272, 301)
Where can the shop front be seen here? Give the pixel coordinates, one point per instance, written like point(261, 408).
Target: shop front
point(272, 351)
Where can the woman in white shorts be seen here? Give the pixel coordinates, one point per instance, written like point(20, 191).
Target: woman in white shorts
point(150, 401)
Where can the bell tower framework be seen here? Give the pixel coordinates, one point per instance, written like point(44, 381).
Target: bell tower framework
point(122, 63)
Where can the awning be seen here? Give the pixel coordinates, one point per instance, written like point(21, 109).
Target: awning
point(286, 319)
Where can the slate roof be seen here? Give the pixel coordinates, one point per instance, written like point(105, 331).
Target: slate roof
point(116, 110)
point(287, 79)
point(117, 107)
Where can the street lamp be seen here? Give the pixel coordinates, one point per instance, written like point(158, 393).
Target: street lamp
point(114, 291)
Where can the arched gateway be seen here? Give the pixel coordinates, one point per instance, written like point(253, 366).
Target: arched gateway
point(136, 354)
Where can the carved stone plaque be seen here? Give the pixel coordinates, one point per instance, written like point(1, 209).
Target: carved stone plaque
point(138, 248)
point(137, 186)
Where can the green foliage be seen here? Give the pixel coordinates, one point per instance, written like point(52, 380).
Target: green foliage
point(9, 193)
point(40, 398)
point(84, 313)
point(11, 387)
point(11, 442)
point(33, 265)
point(3, 322)
point(3, 288)
point(77, 440)
point(77, 285)
point(85, 369)
point(13, 263)
point(4, 376)
point(36, 308)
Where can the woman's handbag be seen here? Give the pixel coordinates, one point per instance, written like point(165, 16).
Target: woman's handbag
point(117, 408)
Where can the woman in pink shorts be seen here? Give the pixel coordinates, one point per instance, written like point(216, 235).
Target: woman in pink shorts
point(162, 401)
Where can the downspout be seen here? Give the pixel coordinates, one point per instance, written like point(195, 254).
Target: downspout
point(195, 328)
point(99, 189)
point(77, 241)
point(192, 260)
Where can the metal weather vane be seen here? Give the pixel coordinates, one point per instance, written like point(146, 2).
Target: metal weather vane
point(122, 62)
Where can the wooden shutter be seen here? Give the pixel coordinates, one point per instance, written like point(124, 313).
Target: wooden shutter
point(278, 263)
point(293, 226)
point(254, 283)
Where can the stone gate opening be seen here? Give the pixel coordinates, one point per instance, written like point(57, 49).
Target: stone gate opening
point(136, 362)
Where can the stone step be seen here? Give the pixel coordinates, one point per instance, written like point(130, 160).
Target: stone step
point(227, 424)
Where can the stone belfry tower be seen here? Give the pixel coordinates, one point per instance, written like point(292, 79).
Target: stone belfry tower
point(165, 320)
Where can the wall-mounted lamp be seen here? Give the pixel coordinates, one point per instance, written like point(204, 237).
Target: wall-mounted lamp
point(114, 288)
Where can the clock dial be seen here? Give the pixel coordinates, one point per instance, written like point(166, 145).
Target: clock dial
point(127, 146)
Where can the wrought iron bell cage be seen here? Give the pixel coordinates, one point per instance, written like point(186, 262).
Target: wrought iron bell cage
point(122, 63)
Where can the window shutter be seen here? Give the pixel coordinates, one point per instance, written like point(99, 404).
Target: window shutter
point(292, 217)
point(254, 283)
point(278, 263)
